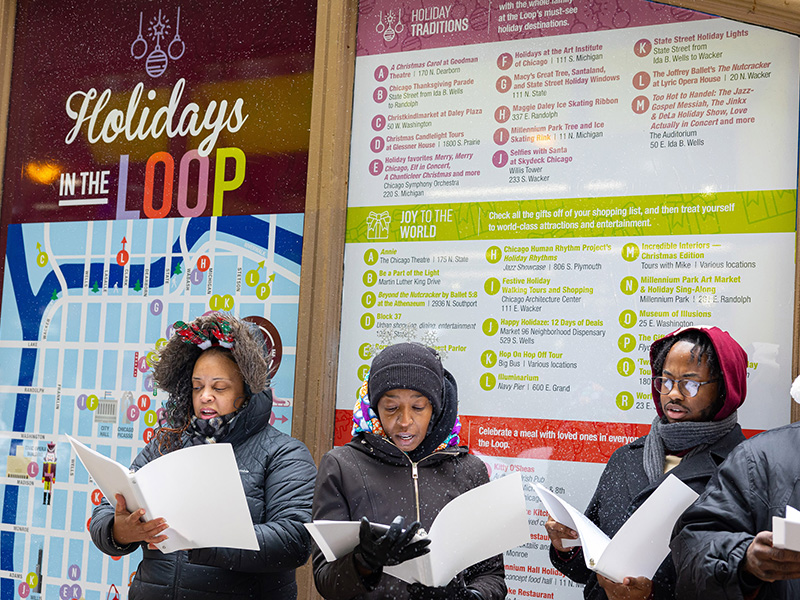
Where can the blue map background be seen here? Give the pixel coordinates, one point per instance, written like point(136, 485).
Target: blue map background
point(75, 325)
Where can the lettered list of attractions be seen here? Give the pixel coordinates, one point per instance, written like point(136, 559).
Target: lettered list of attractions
point(542, 118)
point(549, 338)
point(540, 189)
point(507, 175)
point(565, 324)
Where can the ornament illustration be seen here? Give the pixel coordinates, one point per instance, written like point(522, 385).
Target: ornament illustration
point(392, 26)
point(177, 42)
point(139, 40)
point(157, 61)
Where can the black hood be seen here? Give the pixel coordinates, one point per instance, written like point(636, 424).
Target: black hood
point(252, 418)
point(442, 422)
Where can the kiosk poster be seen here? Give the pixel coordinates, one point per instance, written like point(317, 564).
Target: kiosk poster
point(155, 170)
point(540, 189)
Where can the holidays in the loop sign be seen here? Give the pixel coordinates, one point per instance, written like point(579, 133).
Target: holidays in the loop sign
point(155, 170)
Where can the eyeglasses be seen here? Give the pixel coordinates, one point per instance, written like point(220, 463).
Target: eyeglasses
point(687, 388)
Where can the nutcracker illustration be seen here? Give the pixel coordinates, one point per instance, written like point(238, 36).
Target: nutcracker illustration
point(49, 472)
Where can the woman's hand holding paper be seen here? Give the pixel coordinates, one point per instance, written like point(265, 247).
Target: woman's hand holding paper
point(391, 548)
point(129, 527)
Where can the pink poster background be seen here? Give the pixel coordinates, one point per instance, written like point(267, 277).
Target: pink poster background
point(385, 26)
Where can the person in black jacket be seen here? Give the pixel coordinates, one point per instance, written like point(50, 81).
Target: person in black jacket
point(723, 547)
point(215, 370)
point(699, 380)
point(401, 467)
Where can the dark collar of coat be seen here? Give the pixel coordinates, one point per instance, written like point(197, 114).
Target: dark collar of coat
point(385, 451)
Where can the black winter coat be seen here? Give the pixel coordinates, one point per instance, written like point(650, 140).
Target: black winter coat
point(371, 477)
point(623, 487)
point(753, 485)
point(278, 476)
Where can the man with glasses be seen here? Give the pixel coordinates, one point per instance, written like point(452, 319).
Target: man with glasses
point(699, 381)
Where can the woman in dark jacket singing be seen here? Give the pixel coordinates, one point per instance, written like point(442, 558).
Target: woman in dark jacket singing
point(699, 380)
point(401, 467)
point(216, 373)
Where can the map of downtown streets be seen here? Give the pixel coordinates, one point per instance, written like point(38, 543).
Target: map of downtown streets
point(84, 306)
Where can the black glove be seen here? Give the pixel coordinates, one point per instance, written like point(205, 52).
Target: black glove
point(455, 590)
point(392, 548)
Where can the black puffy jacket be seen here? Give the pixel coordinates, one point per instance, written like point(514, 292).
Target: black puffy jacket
point(753, 485)
point(371, 477)
point(278, 473)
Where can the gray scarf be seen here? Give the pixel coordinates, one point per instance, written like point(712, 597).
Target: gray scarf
point(210, 431)
point(675, 437)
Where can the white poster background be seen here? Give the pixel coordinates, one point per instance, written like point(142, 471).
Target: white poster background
point(620, 153)
point(735, 157)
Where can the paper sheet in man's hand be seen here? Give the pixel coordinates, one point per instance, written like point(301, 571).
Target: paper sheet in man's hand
point(640, 545)
point(786, 530)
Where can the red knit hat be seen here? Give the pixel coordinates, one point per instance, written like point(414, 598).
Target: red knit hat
point(732, 361)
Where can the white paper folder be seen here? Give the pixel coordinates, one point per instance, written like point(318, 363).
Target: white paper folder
point(474, 526)
point(640, 545)
point(186, 487)
point(786, 530)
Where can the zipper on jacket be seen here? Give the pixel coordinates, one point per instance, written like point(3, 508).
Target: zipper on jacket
point(415, 473)
point(415, 477)
point(178, 569)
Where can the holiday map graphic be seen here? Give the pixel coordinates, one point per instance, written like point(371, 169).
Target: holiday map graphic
point(85, 306)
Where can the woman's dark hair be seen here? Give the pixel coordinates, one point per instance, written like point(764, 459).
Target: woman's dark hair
point(173, 372)
point(702, 348)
